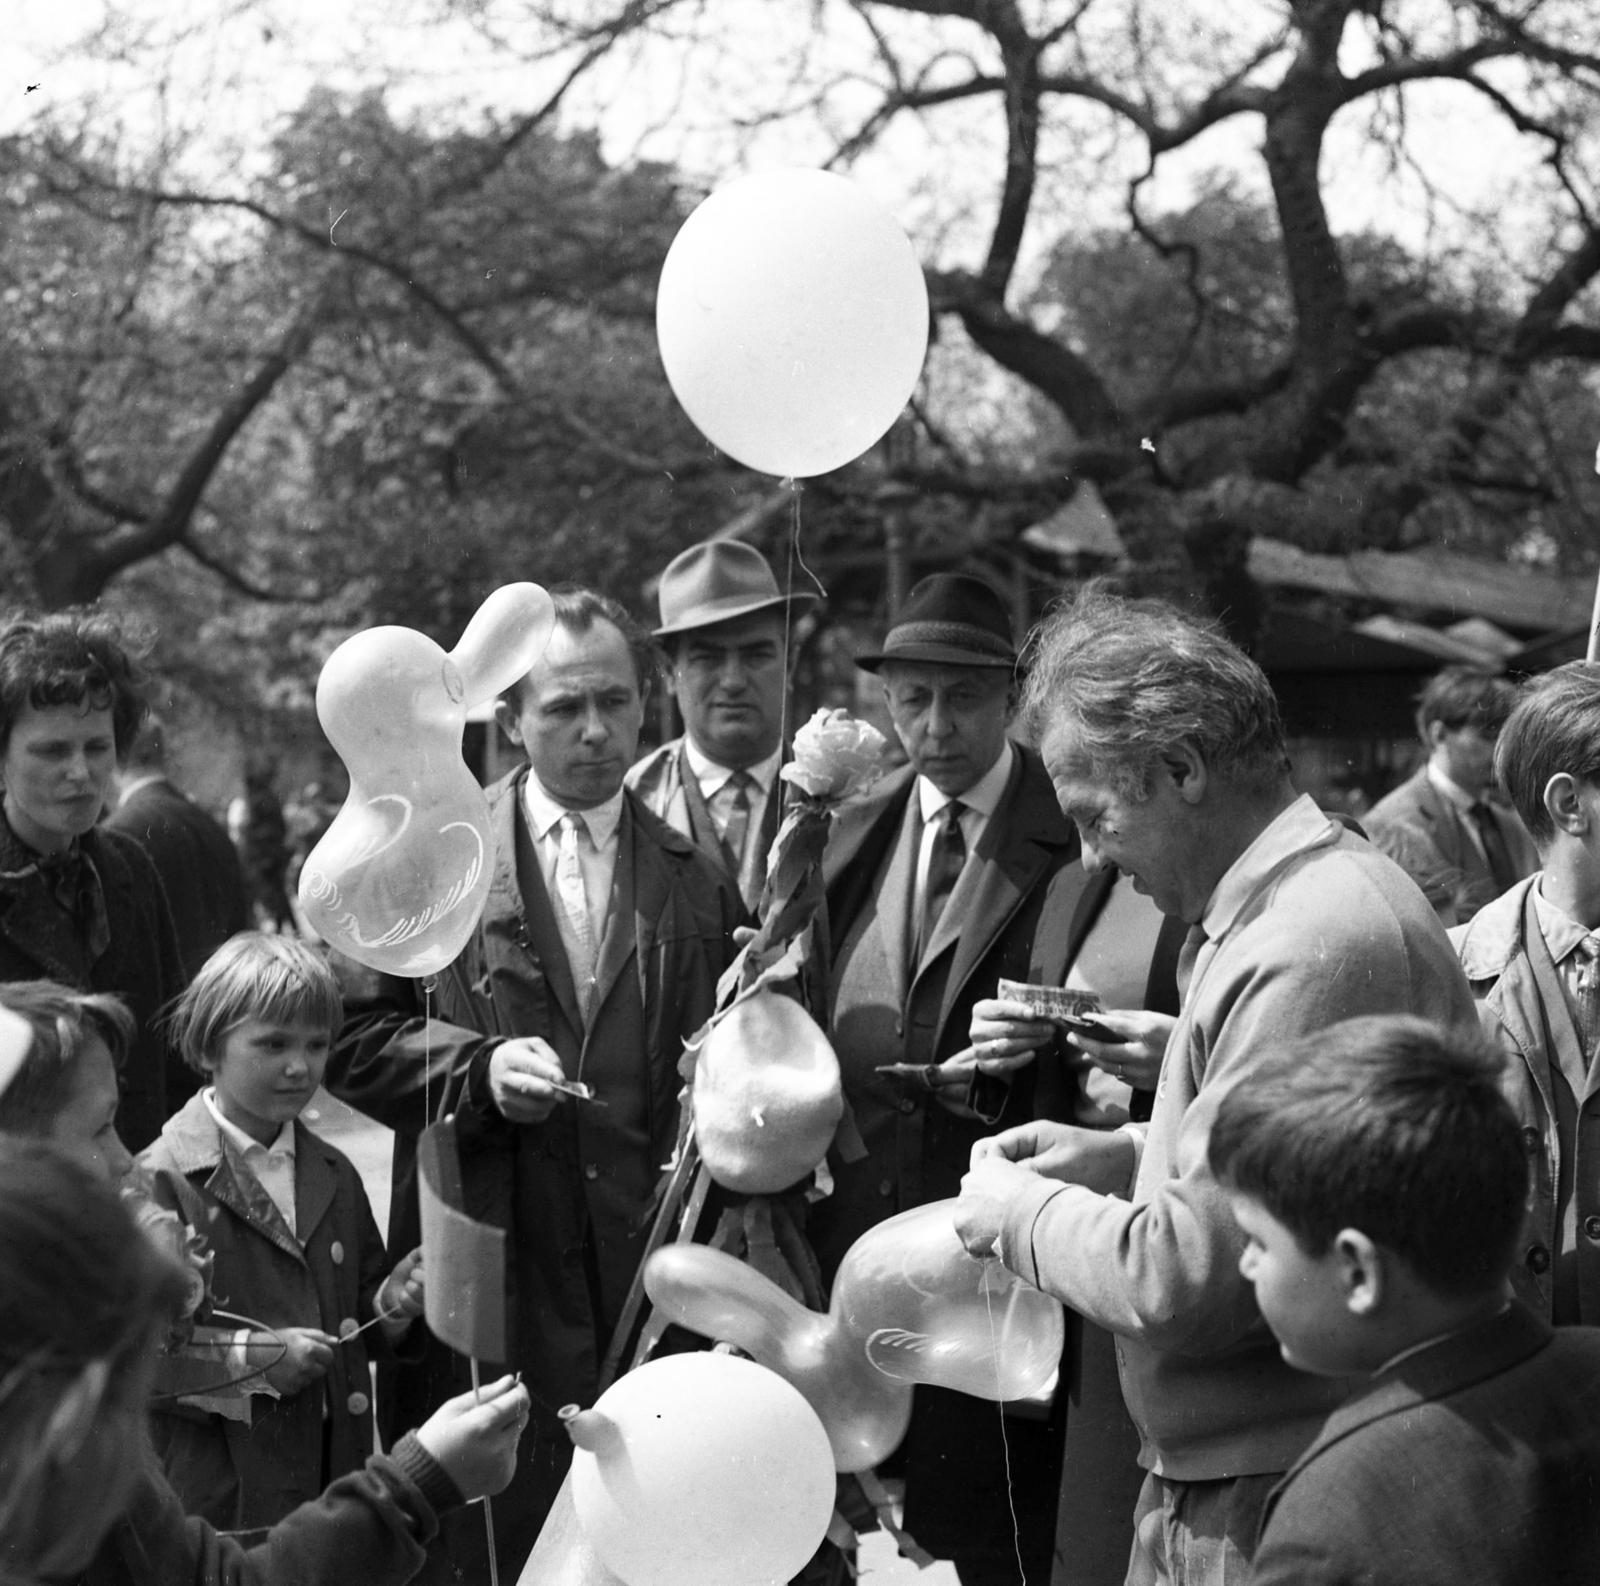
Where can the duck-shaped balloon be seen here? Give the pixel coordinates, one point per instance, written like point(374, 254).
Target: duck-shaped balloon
point(767, 1095)
point(400, 877)
point(909, 1305)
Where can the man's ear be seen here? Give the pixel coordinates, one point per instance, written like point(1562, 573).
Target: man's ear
point(1434, 734)
point(1362, 1275)
point(1563, 802)
point(510, 721)
point(1188, 771)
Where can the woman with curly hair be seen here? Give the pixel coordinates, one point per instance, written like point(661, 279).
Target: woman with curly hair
point(79, 903)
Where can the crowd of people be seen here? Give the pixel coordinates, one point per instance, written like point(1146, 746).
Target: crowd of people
point(1312, 1187)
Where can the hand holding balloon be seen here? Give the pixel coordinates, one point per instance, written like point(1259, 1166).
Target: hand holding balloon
point(1098, 1159)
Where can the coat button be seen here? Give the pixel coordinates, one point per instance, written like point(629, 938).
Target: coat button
point(886, 1187)
point(336, 1253)
point(590, 1171)
point(357, 1403)
point(1591, 1226)
point(1530, 1138)
point(1538, 1259)
point(907, 1105)
point(349, 1327)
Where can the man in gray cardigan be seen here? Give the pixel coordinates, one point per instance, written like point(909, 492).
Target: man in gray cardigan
point(1165, 747)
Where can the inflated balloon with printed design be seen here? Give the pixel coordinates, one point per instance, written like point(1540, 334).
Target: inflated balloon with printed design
point(400, 877)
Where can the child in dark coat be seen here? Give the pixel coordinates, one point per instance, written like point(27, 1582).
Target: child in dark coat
point(296, 1252)
point(1379, 1178)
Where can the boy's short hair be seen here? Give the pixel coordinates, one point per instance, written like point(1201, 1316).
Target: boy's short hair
point(1465, 696)
point(277, 979)
point(70, 658)
point(63, 1022)
point(1393, 1126)
point(1555, 727)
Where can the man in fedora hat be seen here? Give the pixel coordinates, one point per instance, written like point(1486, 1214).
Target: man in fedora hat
point(938, 885)
point(724, 623)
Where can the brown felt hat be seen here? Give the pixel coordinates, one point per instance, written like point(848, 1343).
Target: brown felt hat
point(949, 620)
point(716, 581)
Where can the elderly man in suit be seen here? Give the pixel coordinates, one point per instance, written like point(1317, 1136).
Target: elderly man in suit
point(596, 958)
point(724, 622)
point(1165, 746)
point(197, 861)
point(1442, 826)
point(937, 886)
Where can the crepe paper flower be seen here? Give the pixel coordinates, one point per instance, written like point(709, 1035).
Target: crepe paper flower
point(836, 757)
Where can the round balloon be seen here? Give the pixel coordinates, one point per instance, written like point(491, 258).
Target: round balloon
point(792, 318)
point(702, 1470)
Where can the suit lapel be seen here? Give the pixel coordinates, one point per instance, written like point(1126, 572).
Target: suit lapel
point(1009, 859)
point(894, 898)
point(627, 912)
point(237, 1188)
point(316, 1182)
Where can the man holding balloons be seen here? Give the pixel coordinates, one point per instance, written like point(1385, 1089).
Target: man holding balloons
point(559, 1028)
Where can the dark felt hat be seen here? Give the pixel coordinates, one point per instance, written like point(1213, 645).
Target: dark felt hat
point(716, 581)
point(950, 620)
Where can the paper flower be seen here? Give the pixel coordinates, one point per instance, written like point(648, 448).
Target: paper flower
point(836, 757)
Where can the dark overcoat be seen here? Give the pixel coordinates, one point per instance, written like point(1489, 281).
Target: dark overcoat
point(140, 964)
point(575, 1190)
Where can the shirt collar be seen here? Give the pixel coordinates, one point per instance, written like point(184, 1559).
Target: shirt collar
point(1562, 934)
point(1450, 789)
point(712, 777)
point(1296, 830)
point(282, 1146)
point(544, 813)
point(983, 796)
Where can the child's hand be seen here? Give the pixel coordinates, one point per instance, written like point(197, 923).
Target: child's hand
point(308, 1353)
point(400, 1300)
point(477, 1443)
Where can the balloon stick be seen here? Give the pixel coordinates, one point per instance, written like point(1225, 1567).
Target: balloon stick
point(488, 1512)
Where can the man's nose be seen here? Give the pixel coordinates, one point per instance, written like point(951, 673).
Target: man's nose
point(594, 725)
point(1093, 861)
point(939, 722)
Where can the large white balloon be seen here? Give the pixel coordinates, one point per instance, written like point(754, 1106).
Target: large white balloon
point(792, 318)
point(702, 1470)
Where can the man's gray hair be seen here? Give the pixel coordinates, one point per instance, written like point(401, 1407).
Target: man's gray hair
point(1137, 678)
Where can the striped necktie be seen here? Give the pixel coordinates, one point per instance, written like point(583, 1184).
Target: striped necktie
point(577, 924)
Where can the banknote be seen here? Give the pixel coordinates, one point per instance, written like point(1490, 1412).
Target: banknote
point(1051, 1002)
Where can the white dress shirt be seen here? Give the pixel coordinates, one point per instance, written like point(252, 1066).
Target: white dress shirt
point(981, 800)
point(273, 1165)
point(1574, 950)
point(597, 850)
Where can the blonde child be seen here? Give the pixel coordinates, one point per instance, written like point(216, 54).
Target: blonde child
point(291, 1232)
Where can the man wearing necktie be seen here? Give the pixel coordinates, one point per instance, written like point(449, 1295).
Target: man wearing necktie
point(1445, 826)
point(596, 958)
point(938, 884)
point(1533, 960)
point(724, 623)
point(1165, 747)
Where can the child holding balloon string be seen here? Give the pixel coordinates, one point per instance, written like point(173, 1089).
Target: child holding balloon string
point(290, 1232)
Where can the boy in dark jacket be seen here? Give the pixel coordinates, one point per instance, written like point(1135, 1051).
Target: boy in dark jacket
point(295, 1249)
point(1379, 1177)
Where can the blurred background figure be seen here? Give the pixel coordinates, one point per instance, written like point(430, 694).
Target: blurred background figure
point(261, 836)
point(1445, 826)
point(190, 850)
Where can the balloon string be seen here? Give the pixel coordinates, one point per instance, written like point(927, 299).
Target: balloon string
point(427, 1050)
point(788, 609)
point(1005, 1442)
